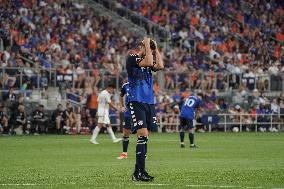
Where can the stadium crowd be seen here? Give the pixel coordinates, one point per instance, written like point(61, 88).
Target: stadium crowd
point(81, 119)
point(228, 40)
point(64, 36)
point(216, 46)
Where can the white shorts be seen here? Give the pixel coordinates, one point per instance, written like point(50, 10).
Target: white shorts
point(104, 119)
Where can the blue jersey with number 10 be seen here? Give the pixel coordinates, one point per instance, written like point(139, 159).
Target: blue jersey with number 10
point(189, 106)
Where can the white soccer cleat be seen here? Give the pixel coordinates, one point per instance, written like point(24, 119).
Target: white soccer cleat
point(117, 140)
point(93, 142)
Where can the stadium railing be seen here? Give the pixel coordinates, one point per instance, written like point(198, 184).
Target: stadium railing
point(226, 122)
point(40, 78)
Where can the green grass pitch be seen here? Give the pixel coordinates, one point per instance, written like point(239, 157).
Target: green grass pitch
point(223, 160)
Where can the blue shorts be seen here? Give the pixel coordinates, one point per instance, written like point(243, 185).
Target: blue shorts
point(127, 124)
point(143, 116)
point(185, 124)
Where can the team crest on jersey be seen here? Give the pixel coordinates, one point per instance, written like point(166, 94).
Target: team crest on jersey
point(140, 122)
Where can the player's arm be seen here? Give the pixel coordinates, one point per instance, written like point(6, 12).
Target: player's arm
point(112, 106)
point(147, 61)
point(110, 103)
point(121, 99)
point(158, 61)
point(121, 103)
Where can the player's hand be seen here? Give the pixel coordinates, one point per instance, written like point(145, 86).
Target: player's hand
point(123, 109)
point(153, 44)
point(146, 41)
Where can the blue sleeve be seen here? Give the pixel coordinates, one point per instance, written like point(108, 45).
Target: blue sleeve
point(133, 60)
point(132, 63)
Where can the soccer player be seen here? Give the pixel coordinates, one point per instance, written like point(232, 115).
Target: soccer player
point(127, 119)
point(187, 118)
point(139, 66)
point(104, 101)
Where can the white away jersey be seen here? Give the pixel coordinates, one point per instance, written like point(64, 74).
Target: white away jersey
point(103, 100)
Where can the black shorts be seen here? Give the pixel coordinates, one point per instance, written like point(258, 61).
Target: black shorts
point(93, 113)
point(185, 124)
point(127, 124)
point(143, 116)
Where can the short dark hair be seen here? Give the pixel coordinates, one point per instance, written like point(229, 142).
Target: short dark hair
point(111, 85)
point(200, 95)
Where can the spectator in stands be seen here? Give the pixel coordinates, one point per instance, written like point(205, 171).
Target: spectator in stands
point(176, 96)
point(39, 121)
point(15, 106)
point(70, 118)
point(263, 117)
point(57, 118)
point(236, 112)
point(4, 127)
point(92, 104)
point(10, 96)
point(222, 105)
point(209, 105)
point(20, 120)
point(275, 106)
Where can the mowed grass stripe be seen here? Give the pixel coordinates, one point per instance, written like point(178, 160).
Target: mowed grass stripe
point(223, 159)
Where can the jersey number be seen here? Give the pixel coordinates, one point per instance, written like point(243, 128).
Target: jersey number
point(189, 102)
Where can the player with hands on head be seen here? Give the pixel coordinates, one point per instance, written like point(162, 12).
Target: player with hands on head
point(139, 65)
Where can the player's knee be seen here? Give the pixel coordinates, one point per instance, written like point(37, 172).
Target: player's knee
point(142, 132)
point(126, 132)
point(192, 130)
point(181, 129)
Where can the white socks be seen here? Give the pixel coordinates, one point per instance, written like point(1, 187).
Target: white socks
point(110, 131)
point(97, 130)
point(95, 133)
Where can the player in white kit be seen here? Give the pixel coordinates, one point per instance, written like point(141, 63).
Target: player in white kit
point(104, 101)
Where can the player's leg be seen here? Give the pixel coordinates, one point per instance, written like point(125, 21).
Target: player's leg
point(126, 133)
point(191, 133)
point(58, 122)
point(5, 126)
point(138, 115)
point(125, 140)
point(109, 129)
point(151, 124)
point(182, 128)
point(96, 131)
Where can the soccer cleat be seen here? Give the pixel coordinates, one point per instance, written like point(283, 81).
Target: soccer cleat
point(145, 177)
point(136, 176)
point(193, 146)
point(93, 142)
point(117, 140)
point(123, 156)
point(182, 145)
point(148, 176)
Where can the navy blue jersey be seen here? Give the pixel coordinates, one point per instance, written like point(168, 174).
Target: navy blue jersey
point(125, 92)
point(189, 106)
point(140, 81)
